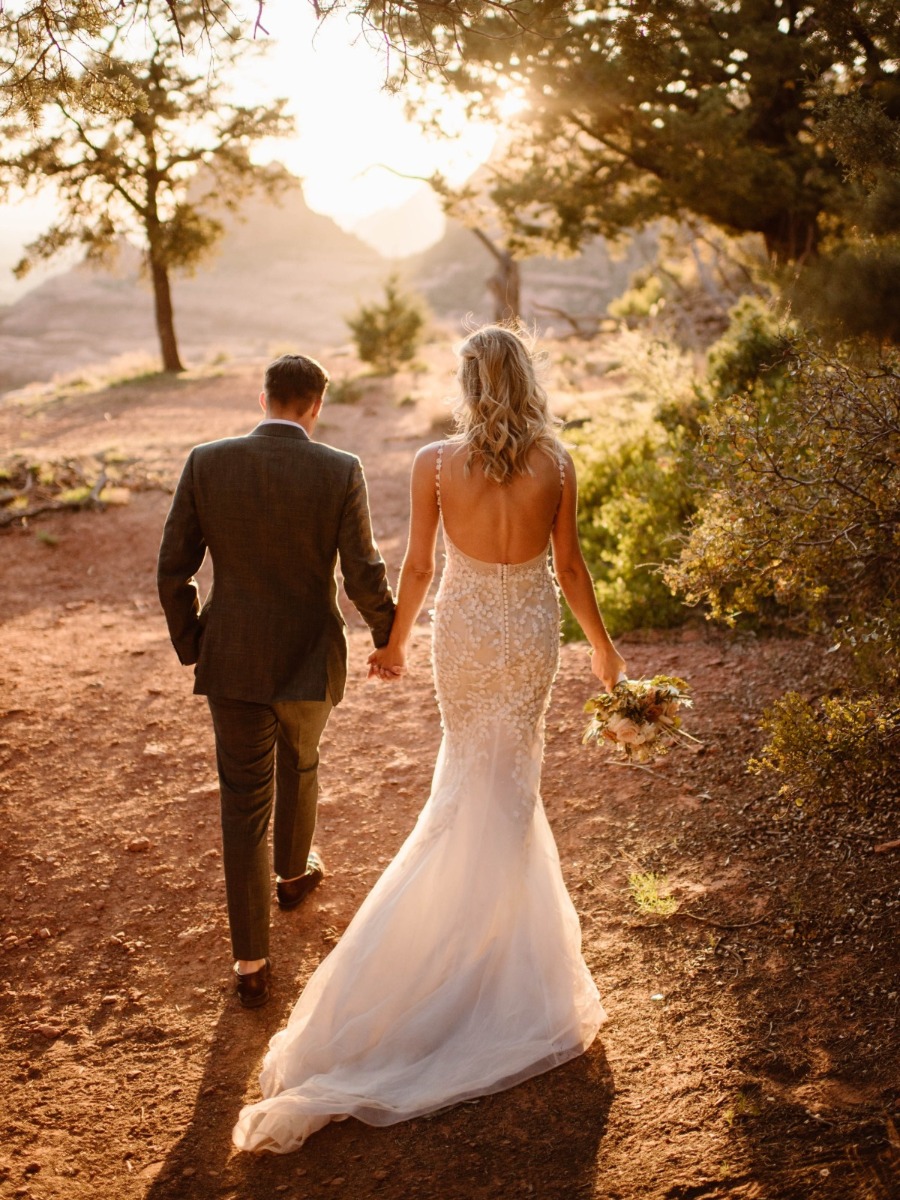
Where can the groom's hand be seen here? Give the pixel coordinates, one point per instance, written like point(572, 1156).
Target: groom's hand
point(386, 663)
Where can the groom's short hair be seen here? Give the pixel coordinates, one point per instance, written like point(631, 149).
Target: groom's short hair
point(294, 381)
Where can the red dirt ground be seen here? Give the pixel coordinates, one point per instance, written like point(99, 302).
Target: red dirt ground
point(752, 1046)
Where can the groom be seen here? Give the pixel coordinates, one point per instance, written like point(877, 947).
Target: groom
point(276, 511)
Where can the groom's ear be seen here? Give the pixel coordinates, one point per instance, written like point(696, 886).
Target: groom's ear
point(262, 401)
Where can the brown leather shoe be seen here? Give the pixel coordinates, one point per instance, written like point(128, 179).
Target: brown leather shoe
point(253, 989)
point(291, 892)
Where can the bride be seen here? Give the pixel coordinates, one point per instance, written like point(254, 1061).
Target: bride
point(461, 974)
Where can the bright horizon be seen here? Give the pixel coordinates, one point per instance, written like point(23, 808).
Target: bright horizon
point(349, 128)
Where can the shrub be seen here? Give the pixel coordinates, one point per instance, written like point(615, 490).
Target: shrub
point(634, 500)
point(844, 750)
point(800, 523)
point(388, 334)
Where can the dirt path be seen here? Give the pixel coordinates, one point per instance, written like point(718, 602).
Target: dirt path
point(752, 1045)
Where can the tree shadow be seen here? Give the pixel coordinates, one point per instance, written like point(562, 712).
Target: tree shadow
point(539, 1139)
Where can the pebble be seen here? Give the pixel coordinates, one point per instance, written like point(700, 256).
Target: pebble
point(138, 845)
point(49, 1031)
point(43, 934)
point(110, 1000)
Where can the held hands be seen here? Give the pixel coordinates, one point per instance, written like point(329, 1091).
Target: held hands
point(388, 663)
point(608, 665)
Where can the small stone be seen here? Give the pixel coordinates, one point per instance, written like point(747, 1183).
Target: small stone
point(32, 1168)
point(188, 1172)
point(45, 1029)
point(11, 942)
point(381, 1173)
point(43, 934)
point(154, 750)
point(337, 1181)
point(138, 845)
point(111, 999)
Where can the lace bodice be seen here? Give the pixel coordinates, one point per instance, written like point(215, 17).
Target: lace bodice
point(496, 652)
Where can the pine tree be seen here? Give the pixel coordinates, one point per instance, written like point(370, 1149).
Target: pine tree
point(140, 141)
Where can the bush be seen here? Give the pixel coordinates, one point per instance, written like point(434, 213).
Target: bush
point(800, 524)
point(635, 499)
point(389, 334)
point(842, 751)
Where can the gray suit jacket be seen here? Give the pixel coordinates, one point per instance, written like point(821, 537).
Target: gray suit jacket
point(276, 511)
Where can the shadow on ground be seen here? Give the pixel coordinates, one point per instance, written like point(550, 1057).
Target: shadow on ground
point(502, 1145)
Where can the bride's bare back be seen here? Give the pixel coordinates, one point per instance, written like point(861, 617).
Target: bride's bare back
point(498, 523)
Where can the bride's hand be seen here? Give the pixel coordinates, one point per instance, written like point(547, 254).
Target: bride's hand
point(387, 663)
point(608, 665)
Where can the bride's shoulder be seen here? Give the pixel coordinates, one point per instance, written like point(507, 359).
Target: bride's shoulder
point(427, 456)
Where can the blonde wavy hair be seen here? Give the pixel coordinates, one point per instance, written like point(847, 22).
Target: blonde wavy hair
point(502, 409)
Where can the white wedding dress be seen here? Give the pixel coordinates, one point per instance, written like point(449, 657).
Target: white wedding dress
point(461, 974)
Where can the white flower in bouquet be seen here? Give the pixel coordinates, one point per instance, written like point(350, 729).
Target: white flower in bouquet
point(639, 717)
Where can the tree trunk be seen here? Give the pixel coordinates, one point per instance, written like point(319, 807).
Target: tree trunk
point(165, 316)
point(505, 284)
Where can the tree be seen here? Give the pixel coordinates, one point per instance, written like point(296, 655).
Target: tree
point(142, 141)
point(649, 108)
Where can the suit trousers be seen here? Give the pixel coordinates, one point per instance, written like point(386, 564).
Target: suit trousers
point(264, 753)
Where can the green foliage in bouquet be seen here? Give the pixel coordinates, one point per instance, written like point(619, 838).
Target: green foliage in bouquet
point(639, 718)
point(388, 335)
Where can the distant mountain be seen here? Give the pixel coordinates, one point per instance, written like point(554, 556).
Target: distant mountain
point(281, 277)
point(405, 230)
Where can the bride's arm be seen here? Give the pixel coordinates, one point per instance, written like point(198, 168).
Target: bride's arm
point(417, 571)
point(577, 585)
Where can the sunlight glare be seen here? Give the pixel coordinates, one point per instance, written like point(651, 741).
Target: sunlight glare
point(354, 140)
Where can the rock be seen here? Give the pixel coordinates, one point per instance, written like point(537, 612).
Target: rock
point(155, 750)
point(111, 999)
point(43, 934)
point(205, 789)
point(138, 845)
point(45, 1029)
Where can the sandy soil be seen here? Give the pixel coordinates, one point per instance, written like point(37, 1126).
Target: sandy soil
point(752, 1046)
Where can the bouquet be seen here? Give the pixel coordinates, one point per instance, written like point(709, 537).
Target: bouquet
point(639, 717)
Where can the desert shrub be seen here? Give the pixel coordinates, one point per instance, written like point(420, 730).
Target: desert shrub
point(642, 299)
point(345, 390)
point(800, 523)
point(635, 497)
point(804, 500)
point(388, 334)
point(844, 749)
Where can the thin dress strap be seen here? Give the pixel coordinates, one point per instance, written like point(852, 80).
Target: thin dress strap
point(562, 481)
point(437, 475)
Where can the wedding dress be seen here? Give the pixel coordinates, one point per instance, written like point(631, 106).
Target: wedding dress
point(461, 974)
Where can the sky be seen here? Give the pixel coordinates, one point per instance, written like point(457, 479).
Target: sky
point(347, 125)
